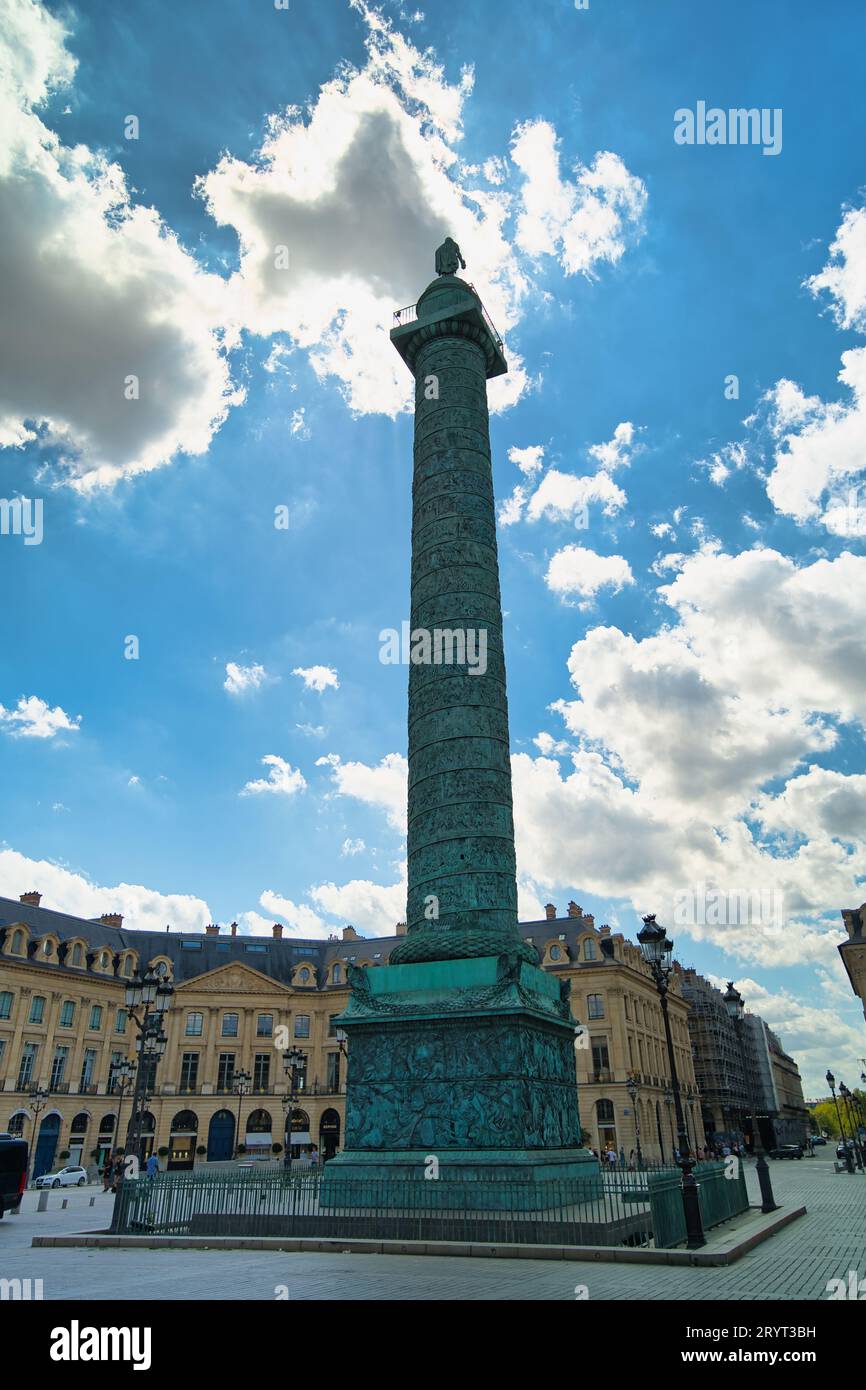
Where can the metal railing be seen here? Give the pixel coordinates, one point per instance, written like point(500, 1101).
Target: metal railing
point(609, 1209)
point(410, 314)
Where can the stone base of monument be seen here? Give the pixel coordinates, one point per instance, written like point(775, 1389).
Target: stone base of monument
point(461, 1078)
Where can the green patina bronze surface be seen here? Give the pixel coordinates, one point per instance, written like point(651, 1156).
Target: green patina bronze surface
point(461, 831)
point(461, 1046)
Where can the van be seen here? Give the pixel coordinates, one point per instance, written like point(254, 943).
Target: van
point(13, 1172)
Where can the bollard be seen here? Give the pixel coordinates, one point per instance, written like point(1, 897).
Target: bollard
point(42, 1204)
point(93, 1201)
point(64, 1204)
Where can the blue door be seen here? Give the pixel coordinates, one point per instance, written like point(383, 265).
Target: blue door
point(221, 1136)
point(46, 1145)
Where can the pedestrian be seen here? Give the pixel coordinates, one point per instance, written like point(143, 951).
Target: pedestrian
point(152, 1166)
point(106, 1172)
point(611, 1158)
point(314, 1157)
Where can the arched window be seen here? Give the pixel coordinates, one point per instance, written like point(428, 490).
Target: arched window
point(47, 948)
point(80, 1123)
point(259, 1122)
point(76, 953)
point(17, 947)
point(127, 965)
point(304, 976)
point(604, 1110)
point(107, 1123)
point(185, 1122)
point(104, 960)
point(16, 1124)
point(589, 949)
point(337, 974)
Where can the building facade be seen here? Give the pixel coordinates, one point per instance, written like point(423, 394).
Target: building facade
point(239, 1001)
point(744, 1075)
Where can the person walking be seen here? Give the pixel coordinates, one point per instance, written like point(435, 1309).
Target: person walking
point(152, 1166)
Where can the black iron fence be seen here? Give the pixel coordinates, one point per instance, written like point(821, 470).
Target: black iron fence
point(610, 1209)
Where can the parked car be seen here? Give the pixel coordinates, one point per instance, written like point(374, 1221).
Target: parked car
point(818, 1139)
point(73, 1176)
point(787, 1151)
point(13, 1172)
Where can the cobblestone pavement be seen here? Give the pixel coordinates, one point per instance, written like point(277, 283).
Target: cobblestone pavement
point(796, 1264)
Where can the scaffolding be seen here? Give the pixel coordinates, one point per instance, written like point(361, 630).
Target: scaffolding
point(718, 1058)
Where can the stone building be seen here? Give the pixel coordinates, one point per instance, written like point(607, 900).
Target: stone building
point(768, 1089)
point(63, 1024)
point(718, 1059)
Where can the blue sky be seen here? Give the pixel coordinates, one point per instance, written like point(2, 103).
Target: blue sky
point(682, 566)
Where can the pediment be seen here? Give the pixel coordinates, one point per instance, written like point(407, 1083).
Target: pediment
point(233, 978)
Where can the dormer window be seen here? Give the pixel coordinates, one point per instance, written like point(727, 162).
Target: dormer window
point(76, 953)
point(17, 947)
point(337, 974)
point(47, 948)
point(555, 953)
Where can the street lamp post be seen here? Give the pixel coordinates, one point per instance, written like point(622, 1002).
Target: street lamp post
point(36, 1101)
point(736, 1009)
point(147, 998)
point(241, 1085)
point(292, 1059)
point(847, 1098)
point(849, 1162)
point(633, 1088)
point(122, 1080)
point(657, 951)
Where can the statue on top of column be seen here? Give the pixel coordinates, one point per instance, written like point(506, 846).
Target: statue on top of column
point(448, 258)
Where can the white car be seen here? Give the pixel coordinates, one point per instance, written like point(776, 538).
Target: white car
point(75, 1176)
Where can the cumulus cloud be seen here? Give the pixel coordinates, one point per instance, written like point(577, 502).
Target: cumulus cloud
point(563, 496)
point(99, 289)
point(384, 785)
point(584, 221)
point(576, 570)
point(33, 718)
point(282, 780)
point(318, 678)
point(359, 189)
point(119, 361)
point(370, 907)
point(689, 750)
point(299, 916)
point(808, 450)
point(352, 846)
point(528, 460)
point(66, 891)
point(242, 679)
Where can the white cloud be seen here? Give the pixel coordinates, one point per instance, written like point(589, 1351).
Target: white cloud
point(691, 743)
point(559, 496)
point(99, 289)
point(283, 779)
point(844, 277)
point(299, 916)
point(351, 847)
point(528, 460)
point(584, 222)
point(576, 570)
point(318, 677)
point(817, 462)
point(66, 891)
point(617, 452)
point(32, 718)
point(369, 907)
point(384, 785)
point(312, 730)
point(241, 679)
